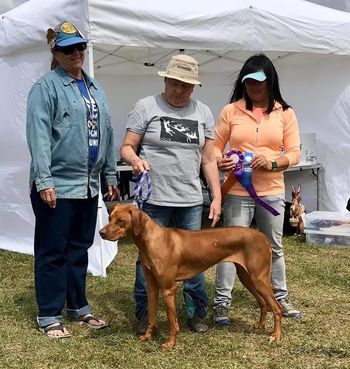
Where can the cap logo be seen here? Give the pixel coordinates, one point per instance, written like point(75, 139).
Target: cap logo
point(184, 67)
point(68, 28)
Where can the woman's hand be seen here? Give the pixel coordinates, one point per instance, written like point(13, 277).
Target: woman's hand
point(128, 152)
point(113, 193)
point(49, 197)
point(227, 164)
point(260, 162)
point(215, 211)
point(139, 166)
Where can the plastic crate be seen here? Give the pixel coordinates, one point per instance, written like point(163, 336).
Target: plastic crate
point(328, 228)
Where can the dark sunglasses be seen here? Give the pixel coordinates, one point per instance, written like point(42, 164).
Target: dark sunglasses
point(67, 50)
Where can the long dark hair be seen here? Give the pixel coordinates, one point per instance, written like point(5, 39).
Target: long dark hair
point(54, 63)
point(254, 64)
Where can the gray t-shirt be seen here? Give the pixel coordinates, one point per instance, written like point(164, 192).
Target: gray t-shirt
point(172, 145)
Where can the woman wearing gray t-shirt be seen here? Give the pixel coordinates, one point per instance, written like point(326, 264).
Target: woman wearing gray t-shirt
point(175, 134)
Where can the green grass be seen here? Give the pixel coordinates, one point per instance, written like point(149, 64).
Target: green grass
point(318, 281)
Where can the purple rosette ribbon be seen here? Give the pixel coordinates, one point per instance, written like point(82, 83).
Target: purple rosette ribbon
point(238, 173)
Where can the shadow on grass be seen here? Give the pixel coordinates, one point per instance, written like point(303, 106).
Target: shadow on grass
point(24, 307)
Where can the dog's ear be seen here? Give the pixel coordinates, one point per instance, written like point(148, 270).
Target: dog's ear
point(138, 220)
point(110, 205)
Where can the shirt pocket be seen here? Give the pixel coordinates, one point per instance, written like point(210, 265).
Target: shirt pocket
point(66, 116)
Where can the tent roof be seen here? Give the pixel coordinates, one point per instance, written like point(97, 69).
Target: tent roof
point(296, 25)
point(225, 25)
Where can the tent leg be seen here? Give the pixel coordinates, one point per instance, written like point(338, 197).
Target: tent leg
point(102, 242)
point(100, 201)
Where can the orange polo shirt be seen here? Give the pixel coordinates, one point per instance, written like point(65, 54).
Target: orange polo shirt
point(238, 128)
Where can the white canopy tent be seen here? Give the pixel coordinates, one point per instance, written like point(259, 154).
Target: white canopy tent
point(131, 40)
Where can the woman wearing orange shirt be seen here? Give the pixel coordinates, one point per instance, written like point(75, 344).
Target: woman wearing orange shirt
point(262, 132)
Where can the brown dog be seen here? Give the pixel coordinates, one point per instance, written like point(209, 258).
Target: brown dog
point(170, 255)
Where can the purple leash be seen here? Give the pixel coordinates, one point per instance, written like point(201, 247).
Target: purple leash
point(137, 195)
point(238, 172)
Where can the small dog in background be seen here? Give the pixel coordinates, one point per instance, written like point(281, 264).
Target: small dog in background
point(297, 211)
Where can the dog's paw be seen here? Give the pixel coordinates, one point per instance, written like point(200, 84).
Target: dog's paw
point(168, 345)
point(274, 339)
point(260, 325)
point(145, 338)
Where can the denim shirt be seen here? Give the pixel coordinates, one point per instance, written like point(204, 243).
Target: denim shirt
point(57, 137)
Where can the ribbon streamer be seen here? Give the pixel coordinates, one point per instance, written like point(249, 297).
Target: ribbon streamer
point(237, 174)
point(137, 195)
point(247, 172)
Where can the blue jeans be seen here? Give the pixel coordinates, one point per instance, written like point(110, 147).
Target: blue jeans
point(62, 238)
point(195, 296)
point(239, 211)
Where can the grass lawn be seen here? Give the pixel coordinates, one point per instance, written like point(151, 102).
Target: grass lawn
point(319, 285)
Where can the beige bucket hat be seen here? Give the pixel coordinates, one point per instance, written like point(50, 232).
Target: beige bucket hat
point(183, 68)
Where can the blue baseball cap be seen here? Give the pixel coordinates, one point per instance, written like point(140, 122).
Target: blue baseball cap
point(65, 34)
point(258, 76)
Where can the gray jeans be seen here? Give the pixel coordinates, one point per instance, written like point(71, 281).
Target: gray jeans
point(239, 211)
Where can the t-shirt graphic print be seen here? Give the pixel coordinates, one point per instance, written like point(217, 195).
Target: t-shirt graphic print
point(179, 130)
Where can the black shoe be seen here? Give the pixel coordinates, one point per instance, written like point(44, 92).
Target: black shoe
point(197, 324)
point(142, 326)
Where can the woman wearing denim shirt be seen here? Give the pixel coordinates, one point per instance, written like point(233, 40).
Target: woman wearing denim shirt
point(70, 139)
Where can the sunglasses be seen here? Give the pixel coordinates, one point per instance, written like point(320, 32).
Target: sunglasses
point(67, 50)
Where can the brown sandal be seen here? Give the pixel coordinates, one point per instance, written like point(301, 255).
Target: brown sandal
point(86, 319)
point(54, 327)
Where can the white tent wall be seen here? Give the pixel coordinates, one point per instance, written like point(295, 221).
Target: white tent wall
point(319, 90)
point(317, 87)
point(221, 35)
point(16, 216)
point(18, 71)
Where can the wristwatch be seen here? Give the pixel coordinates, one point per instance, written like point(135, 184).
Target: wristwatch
point(274, 166)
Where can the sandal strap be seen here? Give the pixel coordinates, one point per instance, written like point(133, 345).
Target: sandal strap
point(88, 318)
point(52, 327)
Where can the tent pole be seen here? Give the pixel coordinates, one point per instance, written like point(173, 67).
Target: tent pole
point(100, 201)
point(91, 60)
